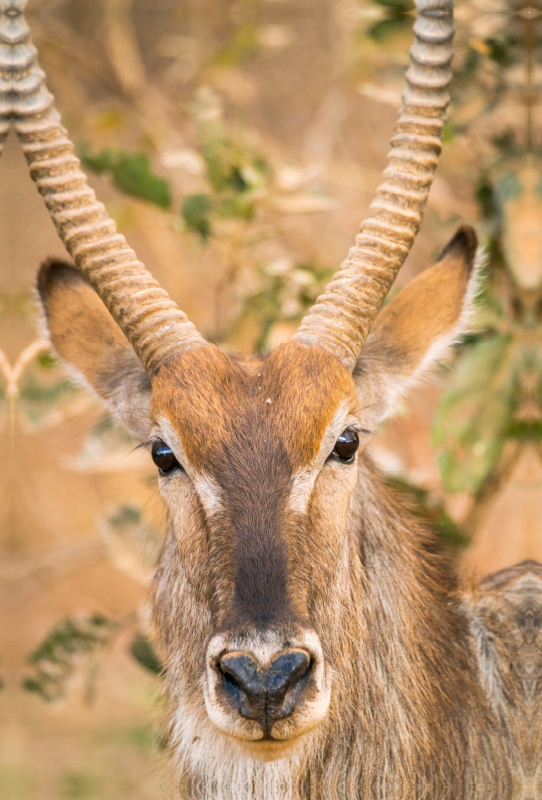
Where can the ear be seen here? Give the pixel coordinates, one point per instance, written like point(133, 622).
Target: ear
point(89, 341)
point(417, 328)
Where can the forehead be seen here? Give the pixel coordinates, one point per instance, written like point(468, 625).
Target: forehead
point(289, 397)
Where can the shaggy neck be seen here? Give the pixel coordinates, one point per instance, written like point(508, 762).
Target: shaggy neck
point(407, 716)
point(410, 699)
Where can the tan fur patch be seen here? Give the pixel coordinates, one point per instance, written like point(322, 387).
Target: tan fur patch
point(429, 307)
point(295, 391)
point(84, 335)
point(82, 330)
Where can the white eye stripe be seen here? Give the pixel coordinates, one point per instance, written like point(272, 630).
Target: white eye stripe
point(303, 480)
point(210, 494)
point(302, 484)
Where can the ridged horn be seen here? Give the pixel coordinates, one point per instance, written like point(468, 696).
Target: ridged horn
point(155, 326)
point(341, 318)
point(7, 35)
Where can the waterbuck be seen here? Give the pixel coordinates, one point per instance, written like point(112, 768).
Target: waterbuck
point(315, 642)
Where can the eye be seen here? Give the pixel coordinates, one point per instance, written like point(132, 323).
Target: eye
point(346, 446)
point(163, 457)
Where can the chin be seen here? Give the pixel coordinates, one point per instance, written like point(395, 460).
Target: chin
point(269, 749)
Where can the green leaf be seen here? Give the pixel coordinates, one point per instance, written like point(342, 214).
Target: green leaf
point(77, 785)
point(99, 162)
point(133, 176)
point(231, 167)
point(46, 360)
point(145, 654)
point(475, 413)
point(507, 144)
point(236, 206)
point(498, 52)
point(33, 685)
point(35, 393)
point(525, 430)
point(386, 28)
point(397, 5)
point(508, 188)
point(485, 195)
point(70, 647)
point(131, 173)
point(284, 293)
point(45, 392)
point(196, 212)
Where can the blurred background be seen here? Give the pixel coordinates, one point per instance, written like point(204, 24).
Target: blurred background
point(238, 146)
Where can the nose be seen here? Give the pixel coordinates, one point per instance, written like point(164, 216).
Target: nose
point(269, 694)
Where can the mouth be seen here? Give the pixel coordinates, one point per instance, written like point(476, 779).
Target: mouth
point(269, 749)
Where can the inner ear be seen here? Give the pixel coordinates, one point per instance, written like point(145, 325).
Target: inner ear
point(88, 340)
point(418, 327)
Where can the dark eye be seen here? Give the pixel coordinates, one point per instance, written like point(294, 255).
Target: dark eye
point(346, 446)
point(163, 457)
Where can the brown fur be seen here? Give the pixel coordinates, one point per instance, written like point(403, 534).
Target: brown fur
point(294, 391)
point(428, 306)
point(507, 632)
point(250, 427)
point(271, 540)
point(89, 341)
point(408, 717)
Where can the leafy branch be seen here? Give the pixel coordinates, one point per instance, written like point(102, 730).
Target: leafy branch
point(70, 656)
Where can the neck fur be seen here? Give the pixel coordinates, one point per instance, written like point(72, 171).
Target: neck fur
point(407, 717)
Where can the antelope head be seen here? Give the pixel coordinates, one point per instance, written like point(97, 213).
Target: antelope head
point(258, 457)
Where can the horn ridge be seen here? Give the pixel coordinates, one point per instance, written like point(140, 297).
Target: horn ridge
point(342, 316)
point(152, 322)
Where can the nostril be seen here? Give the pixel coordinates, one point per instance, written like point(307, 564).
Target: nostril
point(242, 681)
point(239, 668)
point(233, 690)
point(287, 670)
point(229, 680)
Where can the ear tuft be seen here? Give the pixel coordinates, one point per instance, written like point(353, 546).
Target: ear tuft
point(463, 244)
point(52, 272)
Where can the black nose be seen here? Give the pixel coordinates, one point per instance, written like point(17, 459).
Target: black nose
point(265, 695)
